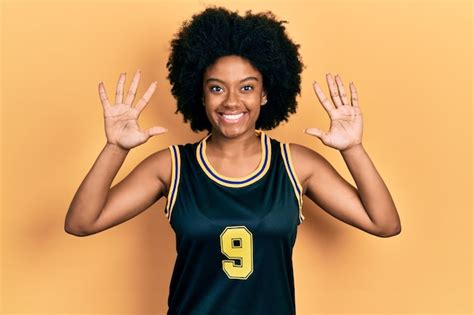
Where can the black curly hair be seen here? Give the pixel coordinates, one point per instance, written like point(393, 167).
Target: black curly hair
point(260, 38)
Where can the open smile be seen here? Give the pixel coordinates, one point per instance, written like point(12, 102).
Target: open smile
point(232, 118)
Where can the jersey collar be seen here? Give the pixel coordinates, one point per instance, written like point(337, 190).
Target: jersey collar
point(236, 182)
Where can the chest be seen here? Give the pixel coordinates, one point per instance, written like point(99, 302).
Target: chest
point(205, 206)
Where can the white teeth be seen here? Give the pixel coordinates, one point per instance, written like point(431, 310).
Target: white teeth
point(232, 117)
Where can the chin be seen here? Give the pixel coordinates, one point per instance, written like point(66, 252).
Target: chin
point(231, 132)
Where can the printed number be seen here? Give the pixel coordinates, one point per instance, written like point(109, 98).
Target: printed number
point(237, 245)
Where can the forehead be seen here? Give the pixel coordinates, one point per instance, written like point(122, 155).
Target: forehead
point(231, 67)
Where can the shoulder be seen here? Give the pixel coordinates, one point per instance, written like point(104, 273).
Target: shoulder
point(306, 162)
point(302, 154)
point(159, 164)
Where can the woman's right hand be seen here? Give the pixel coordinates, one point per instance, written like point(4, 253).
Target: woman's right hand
point(121, 119)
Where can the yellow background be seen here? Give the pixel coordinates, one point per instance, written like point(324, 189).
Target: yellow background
point(411, 62)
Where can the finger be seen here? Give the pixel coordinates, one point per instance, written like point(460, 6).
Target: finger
point(133, 88)
point(119, 90)
point(317, 133)
point(103, 95)
point(314, 131)
point(342, 92)
point(354, 96)
point(333, 90)
point(153, 131)
point(328, 106)
point(146, 97)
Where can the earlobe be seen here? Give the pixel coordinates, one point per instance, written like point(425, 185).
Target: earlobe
point(264, 98)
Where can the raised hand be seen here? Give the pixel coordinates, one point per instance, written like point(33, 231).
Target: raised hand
point(121, 119)
point(346, 118)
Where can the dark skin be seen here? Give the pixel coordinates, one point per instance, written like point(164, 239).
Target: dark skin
point(233, 95)
point(233, 86)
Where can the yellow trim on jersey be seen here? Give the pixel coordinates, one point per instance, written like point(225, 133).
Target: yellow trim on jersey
point(174, 183)
point(236, 182)
point(286, 155)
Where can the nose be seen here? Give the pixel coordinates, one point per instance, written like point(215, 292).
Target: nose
point(231, 99)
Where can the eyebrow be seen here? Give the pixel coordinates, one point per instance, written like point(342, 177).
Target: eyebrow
point(247, 78)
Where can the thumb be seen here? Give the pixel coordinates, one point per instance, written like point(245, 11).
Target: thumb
point(315, 132)
point(153, 131)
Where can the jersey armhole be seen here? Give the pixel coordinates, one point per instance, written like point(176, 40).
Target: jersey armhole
point(290, 170)
point(174, 183)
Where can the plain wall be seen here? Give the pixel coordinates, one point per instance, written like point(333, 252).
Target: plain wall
point(412, 64)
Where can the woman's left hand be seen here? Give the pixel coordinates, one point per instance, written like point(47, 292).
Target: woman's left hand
point(346, 117)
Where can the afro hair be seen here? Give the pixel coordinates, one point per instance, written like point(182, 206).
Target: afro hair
point(260, 38)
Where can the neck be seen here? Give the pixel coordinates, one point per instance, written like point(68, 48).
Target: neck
point(233, 147)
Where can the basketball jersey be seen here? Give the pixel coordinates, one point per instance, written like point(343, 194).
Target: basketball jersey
point(234, 236)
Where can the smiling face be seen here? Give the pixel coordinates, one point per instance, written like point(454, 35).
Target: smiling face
point(232, 94)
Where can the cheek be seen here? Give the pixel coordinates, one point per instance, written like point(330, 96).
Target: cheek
point(211, 98)
point(209, 112)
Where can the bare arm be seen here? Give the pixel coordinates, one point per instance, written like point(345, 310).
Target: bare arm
point(95, 206)
point(370, 206)
point(372, 191)
point(92, 194)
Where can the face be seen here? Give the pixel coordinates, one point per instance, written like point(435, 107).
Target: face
point(232, 94)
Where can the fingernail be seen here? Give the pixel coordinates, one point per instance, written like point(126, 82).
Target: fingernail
point(314, 82)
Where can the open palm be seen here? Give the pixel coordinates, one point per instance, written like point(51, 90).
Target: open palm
point(121, 119)
point(346, 118)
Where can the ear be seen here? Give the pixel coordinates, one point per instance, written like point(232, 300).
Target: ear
point(264, 98)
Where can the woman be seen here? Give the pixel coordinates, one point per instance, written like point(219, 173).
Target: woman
point(234, 198)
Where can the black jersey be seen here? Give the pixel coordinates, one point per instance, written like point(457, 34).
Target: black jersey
point(234, 236)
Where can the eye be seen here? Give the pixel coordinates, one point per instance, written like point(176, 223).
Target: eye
point(215, 88)
point(248, 88)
